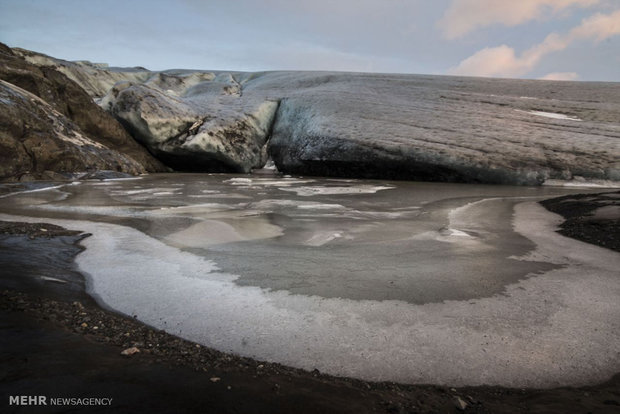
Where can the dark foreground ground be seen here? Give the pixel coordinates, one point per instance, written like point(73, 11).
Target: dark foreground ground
point(56, 342)
point(592, 218)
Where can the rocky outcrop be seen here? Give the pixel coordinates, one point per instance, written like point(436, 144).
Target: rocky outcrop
point(50, 125)
point(38, 142)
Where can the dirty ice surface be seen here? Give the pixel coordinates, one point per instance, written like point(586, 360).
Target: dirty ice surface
point(413, 282)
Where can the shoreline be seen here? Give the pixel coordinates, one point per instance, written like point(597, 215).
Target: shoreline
point(254, 386)
point(591, 218)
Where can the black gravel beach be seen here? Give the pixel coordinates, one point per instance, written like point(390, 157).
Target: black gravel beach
point(57, 342)
point(592, 218)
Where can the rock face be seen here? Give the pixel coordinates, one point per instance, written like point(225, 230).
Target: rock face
point(51, 125)
point(38, 142)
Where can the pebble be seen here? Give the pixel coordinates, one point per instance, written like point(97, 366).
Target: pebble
point(130, 351)
point(459, 403)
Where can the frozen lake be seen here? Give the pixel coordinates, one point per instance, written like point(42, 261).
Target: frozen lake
point(414, 282)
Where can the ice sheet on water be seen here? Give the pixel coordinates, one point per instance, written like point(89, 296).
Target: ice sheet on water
point(201, 208)
point(286, 181)
point(213, 232)
point(457, 233)
point(35, 190)
point(115, 211)
point(583, 183)
point(219, 195)
point(308, 191)
point(454, 236)
point(239, 181)
point(270, 204)
point(149, 190)
point(320, 206)
point(122, 179)
point(321, 238)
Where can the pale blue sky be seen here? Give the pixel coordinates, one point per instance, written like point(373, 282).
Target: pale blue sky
point(471, 37)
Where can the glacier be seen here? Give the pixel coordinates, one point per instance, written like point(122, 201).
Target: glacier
point(388, 126)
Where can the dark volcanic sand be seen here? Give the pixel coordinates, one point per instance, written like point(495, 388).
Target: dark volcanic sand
point(592, 218)
point(57, 342)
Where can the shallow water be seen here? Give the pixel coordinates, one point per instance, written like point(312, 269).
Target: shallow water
point(414, 282)
point(415, 242)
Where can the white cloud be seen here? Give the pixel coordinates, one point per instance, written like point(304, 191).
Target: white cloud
point(561, 76)
point(490, 61)
point(464, 16)
point(502, 61)
point(598, 27)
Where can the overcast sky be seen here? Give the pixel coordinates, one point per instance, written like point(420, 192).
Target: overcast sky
point(555, 39)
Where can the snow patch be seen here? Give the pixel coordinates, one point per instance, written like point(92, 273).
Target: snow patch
point(554, 115)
